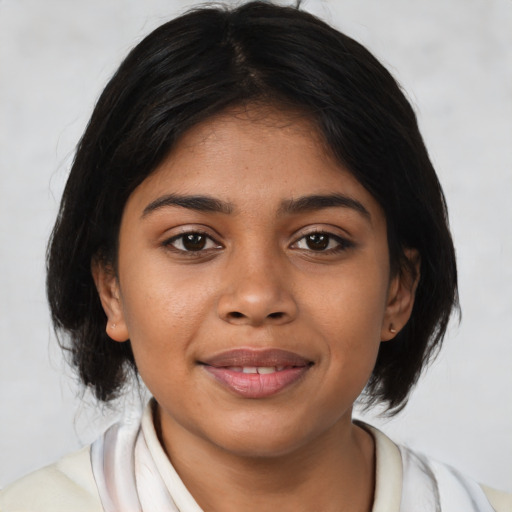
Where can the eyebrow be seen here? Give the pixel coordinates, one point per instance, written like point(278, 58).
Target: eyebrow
point(320, 202)
point(198, 203)
point(202, 203)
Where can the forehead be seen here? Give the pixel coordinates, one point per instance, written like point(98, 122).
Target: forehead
point(255, 156)
point(252, 137)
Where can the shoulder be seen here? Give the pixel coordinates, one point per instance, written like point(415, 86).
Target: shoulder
point(404, 476)
point(452, 488)
point(501, 501)
point(61, 487)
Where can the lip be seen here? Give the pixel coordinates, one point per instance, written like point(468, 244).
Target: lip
point(226, 368)
point(256, 357)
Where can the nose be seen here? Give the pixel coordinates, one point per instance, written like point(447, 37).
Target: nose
point(258, 292)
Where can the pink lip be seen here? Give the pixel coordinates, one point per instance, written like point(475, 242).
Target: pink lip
point(226, 369)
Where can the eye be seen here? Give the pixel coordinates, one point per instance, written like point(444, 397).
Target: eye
point(322, 242)
point(192, 242)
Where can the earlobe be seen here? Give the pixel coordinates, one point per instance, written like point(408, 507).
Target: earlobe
point(401, 295)
point(107, 286)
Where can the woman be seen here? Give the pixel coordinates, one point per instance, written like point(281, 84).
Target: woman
point(253, 226)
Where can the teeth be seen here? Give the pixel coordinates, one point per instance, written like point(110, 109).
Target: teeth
point(266, 369)
point(256, 369)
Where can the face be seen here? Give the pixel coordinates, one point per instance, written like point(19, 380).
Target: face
point(254, 284)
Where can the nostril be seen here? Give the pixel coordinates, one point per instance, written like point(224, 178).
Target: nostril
point(276, 315)
point(236, 314)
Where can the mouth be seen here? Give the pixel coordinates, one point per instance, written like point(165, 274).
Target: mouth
point(257, 373)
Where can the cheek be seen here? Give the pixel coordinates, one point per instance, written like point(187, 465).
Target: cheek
point(351, 303)
point(349, 312)
point(162, 312)
point(157, 299)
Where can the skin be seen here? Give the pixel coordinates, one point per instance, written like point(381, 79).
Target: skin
point(257, 283)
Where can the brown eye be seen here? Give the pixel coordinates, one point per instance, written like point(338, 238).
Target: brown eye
point(317, 241)
point(192, 242)
point(323, 242)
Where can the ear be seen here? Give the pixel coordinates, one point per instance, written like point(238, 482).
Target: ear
point(107, 285)
point(402, 291)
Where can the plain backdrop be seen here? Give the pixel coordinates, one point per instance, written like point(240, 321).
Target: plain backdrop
point(454, 59)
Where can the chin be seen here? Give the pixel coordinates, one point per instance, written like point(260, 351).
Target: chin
point(266, 439)
point(261, 445)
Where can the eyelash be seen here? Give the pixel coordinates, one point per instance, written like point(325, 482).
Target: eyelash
point(169, 243)
point(342, 243)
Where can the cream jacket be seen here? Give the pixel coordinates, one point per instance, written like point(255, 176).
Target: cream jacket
point(69, 484)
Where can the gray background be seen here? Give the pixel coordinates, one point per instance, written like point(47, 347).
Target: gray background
point(454, 58)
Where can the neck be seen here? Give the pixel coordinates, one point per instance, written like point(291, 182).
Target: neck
point(335, 472)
